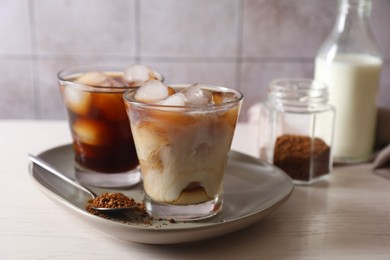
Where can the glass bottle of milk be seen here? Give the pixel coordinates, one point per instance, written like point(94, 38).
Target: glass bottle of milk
point(350, 63)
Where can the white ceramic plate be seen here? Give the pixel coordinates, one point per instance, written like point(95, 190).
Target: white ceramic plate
point(252, 190)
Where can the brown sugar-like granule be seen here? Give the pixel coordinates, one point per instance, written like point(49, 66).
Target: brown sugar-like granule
point(302, 157)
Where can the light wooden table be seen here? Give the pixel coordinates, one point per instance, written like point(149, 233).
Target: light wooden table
point(346, 217)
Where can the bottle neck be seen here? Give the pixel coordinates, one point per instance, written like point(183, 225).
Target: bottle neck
point(299, 95)
point(353, 14)
point(352, 32)
point(360, 8)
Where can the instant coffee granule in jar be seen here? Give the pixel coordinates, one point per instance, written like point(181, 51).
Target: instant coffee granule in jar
point(296, 129)
point(302, 157)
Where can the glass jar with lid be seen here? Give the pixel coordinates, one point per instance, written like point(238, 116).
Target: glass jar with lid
point(296, 129)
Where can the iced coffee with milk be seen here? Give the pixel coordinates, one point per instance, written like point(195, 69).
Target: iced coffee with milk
point(183, 136)
point(103, 145)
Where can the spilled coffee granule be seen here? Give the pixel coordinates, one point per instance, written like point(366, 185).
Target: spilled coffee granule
point(300, 156)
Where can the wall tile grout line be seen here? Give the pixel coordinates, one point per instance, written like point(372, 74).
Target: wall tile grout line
point(158, 58)
point(137, 30)
point(189, 59)
point(34, 61)
point(240, 30)
point(93, 57)
point(278, 59)
point(68, 57)
point(16, 56)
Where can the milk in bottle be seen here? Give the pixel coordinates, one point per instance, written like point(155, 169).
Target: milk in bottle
point(349, 63)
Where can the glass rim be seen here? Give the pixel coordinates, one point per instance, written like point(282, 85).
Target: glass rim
point(313, 84)
point(239, 97)
point(64, 74)
point(298, 92)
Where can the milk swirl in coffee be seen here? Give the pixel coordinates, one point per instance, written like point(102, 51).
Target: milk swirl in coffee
point(183, 139)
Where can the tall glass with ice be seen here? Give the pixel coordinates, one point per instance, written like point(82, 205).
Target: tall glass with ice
point(183, 136)
point(104, 149)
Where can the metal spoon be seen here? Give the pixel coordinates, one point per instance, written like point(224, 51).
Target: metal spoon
point(50, 168)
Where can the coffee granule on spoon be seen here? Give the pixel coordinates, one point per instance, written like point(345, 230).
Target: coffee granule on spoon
point(112, 200)
point(137, 215)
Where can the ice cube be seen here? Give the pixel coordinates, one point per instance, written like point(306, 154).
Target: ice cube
point(153, 91)
point(229, 97)
point(177, 99)
point(96, 78)
point(218, 97)
point(92, 132)
point(114, 83)
point(77, 100)
point(137, 75)
point(111, 106)
point(196, 96)
point(157, 76)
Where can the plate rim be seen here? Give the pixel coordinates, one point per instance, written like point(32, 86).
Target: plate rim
point(152, 229)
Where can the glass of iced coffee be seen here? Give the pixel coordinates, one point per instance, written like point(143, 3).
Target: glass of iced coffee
point(103, 145)
point(183, 135)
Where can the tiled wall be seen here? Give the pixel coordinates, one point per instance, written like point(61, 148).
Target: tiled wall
point(241, 44)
